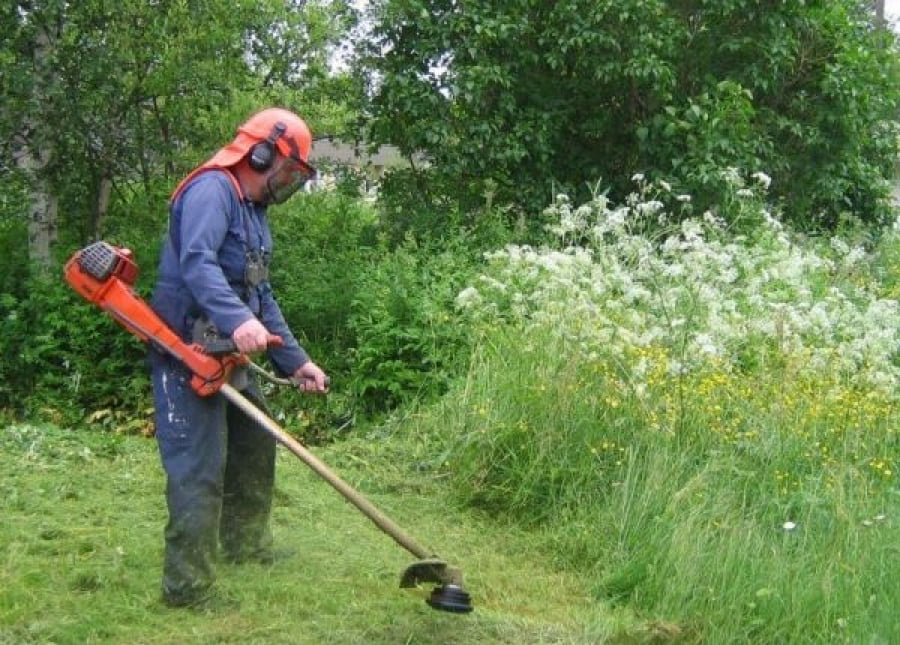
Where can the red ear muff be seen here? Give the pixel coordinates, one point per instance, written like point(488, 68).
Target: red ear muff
point(262, 154)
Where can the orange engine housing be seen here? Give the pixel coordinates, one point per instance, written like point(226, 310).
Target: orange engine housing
point(104, 274)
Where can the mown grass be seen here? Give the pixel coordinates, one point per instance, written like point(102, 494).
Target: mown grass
point(81, 549)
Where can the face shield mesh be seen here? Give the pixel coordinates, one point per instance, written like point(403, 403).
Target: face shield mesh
point(287, 178)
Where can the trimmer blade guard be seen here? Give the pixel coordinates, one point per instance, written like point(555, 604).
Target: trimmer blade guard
point(431, 570)
point(449, 595)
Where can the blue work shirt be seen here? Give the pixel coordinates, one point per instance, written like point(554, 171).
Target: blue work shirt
point(203, 264)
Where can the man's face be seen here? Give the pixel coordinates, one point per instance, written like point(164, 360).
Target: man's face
point(286, 177)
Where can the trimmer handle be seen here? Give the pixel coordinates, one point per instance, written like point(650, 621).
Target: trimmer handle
point(221, 346)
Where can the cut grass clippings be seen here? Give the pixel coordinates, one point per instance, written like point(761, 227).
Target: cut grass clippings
point(81, 552)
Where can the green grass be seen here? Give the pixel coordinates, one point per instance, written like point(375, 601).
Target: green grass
point(760, 508)
point(81, 553)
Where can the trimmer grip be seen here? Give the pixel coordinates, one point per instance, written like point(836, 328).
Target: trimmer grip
point(220, 346)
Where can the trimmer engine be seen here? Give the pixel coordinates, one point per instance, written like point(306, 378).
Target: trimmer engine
point(104, 274)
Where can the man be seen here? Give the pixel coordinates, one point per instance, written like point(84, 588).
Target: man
point(213, 280)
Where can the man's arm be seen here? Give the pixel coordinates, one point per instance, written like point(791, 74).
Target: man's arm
point(206, 207)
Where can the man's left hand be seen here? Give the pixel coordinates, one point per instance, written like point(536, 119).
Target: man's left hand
point(310, 378)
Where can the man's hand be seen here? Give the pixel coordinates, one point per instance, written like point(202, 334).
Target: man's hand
point(310, 378)
point(251, 336)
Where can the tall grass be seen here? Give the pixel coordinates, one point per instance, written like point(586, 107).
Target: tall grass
point(704, 420)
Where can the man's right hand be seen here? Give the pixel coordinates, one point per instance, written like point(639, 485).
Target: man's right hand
point(251, 336)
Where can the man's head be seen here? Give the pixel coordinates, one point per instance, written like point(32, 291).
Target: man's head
point(274, 144)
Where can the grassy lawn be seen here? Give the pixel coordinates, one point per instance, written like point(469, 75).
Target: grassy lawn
point(81, 553)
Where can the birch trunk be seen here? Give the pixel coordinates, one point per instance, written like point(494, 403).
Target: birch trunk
point(33, 154)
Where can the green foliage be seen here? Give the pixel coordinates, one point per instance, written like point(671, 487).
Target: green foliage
point(408, 339)
point(715, 127)
point(148, 90)
point(323, 246)
point(13, 236)
point(539, 97)
point(62, 359)
point(380, 319)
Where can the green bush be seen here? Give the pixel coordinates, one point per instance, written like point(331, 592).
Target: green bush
point(379, 317)
point(323, 245)
point(61, 358)
point(535, 100)
point(409, 341)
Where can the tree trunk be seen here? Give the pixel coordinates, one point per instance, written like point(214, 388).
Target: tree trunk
point(43, 204)
point(33, 154)
point(104, 188)
point(42, 227)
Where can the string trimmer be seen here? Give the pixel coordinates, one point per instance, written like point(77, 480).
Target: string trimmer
point(104, 274)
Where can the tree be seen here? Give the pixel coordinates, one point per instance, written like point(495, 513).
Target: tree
point(108, 100)
point(526, 97)
point(28, 140)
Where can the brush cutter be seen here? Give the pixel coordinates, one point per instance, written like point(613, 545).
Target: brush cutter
point(104, 274)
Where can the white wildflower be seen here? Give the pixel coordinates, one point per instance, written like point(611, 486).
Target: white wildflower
point(617, 217)
point(706, 345)
point(468, 298)
point(764, 180)
point(713, 220)
point(840, 246)
point(732, 176)
point(649, 208)
point(856, 254)
point(789, 526)
point(691, 229)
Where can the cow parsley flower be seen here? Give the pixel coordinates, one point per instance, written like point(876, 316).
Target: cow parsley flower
point(764, 180)
point(468, 298)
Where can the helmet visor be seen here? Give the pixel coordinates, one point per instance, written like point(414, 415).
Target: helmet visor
point(288, 177)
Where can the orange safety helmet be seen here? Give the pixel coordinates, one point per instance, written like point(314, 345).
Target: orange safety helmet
point(260, 136)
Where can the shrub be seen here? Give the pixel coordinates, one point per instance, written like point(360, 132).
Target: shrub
point(409, 341)
point(63, 359)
